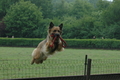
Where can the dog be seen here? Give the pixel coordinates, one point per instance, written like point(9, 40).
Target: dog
point(47, 47)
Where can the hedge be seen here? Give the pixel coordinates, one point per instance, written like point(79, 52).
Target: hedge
point(72, 43)
point(20, 42)
point(94, 43)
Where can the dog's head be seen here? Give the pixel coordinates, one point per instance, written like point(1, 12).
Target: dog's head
point(55, 30)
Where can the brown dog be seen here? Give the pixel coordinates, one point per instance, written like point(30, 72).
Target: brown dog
point(48, 47)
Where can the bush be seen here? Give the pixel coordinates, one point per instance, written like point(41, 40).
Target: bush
point(94, 43)
point(72, 43)
point(20, 42)
point(23, 19)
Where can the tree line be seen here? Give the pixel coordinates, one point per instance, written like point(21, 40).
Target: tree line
point(82, 19)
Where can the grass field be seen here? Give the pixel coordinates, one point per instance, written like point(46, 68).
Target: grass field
point(15, 63)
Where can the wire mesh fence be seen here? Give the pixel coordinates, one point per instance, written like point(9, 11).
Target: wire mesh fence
point(16, 68)
point(100, 66)
point(11, 69)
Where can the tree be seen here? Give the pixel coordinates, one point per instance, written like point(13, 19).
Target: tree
point(110, 17)
point(87, 25)
point(46, 7)
point(101, 5)
point(62, 8)
point(22, 19)
point(2, 29)
point(81, 8)
point(4, 6)
point(112, 14)
point(93, 2)
point(112, 31)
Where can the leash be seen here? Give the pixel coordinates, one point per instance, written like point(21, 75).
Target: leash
point(55, 37)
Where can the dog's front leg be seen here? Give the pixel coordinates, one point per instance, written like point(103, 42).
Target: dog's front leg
point(32, 62)
point(48, 45)
point(60, 47)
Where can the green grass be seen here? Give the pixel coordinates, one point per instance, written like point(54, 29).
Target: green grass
point(15, 63)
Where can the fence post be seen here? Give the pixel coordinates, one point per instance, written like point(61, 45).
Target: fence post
point(88, 69)
point(85, 65)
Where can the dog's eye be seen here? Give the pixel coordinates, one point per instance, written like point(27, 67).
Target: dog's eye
point(54, 31)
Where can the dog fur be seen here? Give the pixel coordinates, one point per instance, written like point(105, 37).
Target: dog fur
point(43, 49)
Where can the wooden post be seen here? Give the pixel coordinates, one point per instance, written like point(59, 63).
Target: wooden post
point(85, 65)
point(88, 69)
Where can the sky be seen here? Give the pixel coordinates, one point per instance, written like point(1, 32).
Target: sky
point(110, 0)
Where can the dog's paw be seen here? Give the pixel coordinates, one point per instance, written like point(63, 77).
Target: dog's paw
point(41, 61)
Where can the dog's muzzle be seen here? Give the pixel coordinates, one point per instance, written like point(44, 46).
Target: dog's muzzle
point(55, 35)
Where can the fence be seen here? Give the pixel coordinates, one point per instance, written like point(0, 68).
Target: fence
point(11, 69)
point(68, 69)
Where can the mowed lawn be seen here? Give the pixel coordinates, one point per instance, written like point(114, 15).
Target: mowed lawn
point(15, 63)
point(25, 53)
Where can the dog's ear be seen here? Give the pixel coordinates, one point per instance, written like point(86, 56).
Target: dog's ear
point(51, 25)
point(61, 26)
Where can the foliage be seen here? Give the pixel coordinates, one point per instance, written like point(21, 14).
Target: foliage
point(102, 4)
point(62, 9)
point(72, 43)
point(19, 42)
point(111, 14)
point(94, 2)
point(82, 19)
point(113, 31)
point(111, 18)
point(4, 6)
point(81, 8)
point(94, 43)
point(2, 28)
point(45, 5)
point(22, 19)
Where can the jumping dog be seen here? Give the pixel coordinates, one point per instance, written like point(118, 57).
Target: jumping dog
point(50, 45)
